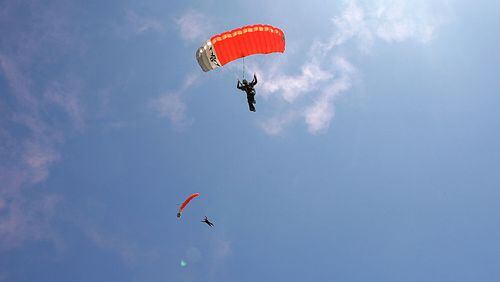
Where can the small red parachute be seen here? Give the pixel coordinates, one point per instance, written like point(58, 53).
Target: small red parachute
point(238, 43)
point(184, 204)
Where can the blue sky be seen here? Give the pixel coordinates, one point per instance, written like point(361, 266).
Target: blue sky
point(373, 154)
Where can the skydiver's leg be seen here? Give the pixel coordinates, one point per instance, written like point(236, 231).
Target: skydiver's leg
point(251, 107)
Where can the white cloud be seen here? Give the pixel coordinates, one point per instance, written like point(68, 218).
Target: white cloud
point(25, 160)
point(17, 81)
point(30, 136)
point(327, 72)
point(292, 87)
point(140, 24)
point(319, 115)
point(277, 124)
point(350, 24)
point(38, 157)
point(222, 248)
point(32, 153)
point(25, 220)
point(127, 251)
point(136, 23)
point(172, 106)
point(417, 20)
point(193, 26)
point(65, 95)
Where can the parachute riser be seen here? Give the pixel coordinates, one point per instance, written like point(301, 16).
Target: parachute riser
point(243, 67)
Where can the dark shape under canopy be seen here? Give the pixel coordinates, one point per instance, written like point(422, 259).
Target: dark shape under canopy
point(186, 202)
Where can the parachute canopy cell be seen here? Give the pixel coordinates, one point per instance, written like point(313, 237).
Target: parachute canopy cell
point(186, 202)
point(238, 43)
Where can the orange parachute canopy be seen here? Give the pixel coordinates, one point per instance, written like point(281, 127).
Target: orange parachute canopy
point(186, 202)
point(238, 43)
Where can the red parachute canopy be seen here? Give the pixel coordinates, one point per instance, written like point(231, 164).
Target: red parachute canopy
point(238, 43)
point(184, 204)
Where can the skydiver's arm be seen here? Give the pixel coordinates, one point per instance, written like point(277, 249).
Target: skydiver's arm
point(254, 81)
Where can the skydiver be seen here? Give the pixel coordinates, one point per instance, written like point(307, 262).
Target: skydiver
point(207, 222)
point(248, 88)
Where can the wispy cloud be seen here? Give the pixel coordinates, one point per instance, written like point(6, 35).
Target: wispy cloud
point(133, 23)
point(328, 72)
point(140, 23)
point(65, 94)
point(193, 26)
point(26, 219)
point(30, 133)
point(221, 251)
point(18, 82)
point(127, 252)
point(107, 234)
point(171, 104)
point(321, 112)
point(277, 124)
point(25, 161)
point(292, 86)
point(402, 20)
point(222, 248)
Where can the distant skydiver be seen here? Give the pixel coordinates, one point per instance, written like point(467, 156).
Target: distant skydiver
point(248, 88)
point(184, 204)
point(207, 222)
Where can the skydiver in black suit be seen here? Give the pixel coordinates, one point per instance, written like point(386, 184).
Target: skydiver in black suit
point(248, 88)
point(208, 222)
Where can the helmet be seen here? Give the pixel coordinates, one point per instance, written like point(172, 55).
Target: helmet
point(245, 81)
